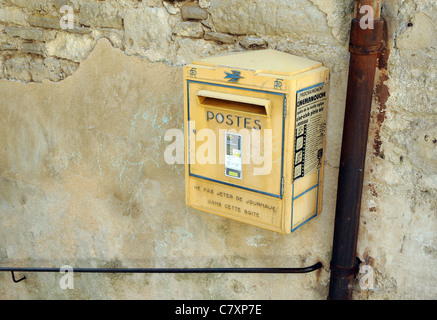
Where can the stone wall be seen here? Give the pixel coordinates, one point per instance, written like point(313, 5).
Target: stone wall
point(83, 182)
point(35, 47)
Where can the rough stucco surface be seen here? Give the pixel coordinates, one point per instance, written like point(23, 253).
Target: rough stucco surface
point(83, 181)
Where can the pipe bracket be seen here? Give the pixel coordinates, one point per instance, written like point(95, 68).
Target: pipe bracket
point(365, 50)
point(345, 271)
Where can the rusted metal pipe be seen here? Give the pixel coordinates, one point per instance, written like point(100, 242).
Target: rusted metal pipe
point(365, 45)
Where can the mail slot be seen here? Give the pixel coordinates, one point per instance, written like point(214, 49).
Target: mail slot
point(255, 126)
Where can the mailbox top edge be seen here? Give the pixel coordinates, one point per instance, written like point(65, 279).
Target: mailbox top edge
point(268, 60)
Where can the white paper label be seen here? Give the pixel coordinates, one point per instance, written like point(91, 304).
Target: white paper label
point(233, 160)
point(310, 129)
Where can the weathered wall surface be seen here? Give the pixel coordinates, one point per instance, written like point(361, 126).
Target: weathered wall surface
point(83, 181)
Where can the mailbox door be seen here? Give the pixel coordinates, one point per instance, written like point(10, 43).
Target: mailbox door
point(235, 136)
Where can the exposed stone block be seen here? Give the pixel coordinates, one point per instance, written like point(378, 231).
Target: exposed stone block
point(193, 49)
point(44, 21)
point(269, 17)
point(59, 3)
point(50, 68)
point(149, 38)
point(75, 47)
point(79, 30)
point(100, 14)
point(29, 4)
point(220, 37)
point(25, 33)
point(251, 42)
point(204, 3)
point(189, 29)
point(7, 47)
point(17, 68)
point(32, 47)
point(193, 12)
point(38, 70)
point(170, 8)
point(12, 16)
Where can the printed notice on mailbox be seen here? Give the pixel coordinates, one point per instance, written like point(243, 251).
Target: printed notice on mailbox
point(311, 104)
point(233, 160)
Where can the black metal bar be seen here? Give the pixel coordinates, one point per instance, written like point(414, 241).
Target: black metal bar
point(308, 269)
point(15, 280)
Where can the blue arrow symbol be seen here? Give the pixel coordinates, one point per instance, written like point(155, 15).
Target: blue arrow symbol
point(234, 76)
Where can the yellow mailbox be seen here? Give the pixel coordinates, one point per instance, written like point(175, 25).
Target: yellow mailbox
point(255, 125)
